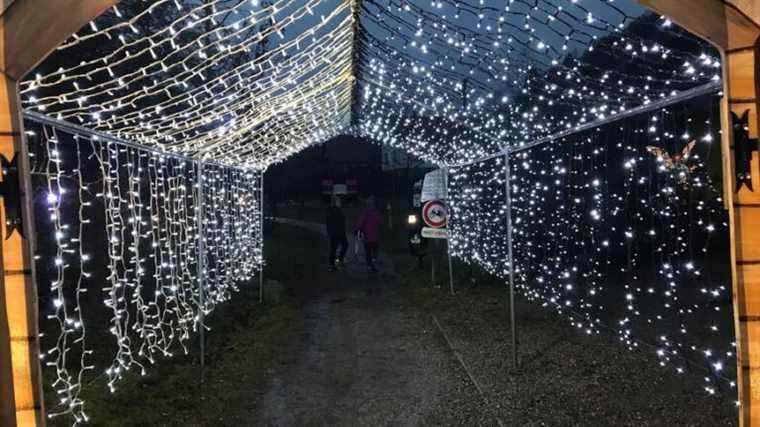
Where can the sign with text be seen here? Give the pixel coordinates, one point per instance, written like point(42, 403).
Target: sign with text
point(434, 186)
point(434, 233)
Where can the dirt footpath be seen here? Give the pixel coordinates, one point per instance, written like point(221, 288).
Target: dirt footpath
point(368, 359)
point(372, 354)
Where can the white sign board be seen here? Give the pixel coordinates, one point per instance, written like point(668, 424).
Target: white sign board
point(434, 186)
point(340, 189)
point(434, 233)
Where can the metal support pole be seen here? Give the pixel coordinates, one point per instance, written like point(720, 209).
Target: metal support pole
point(448, 238)
point(199, 212)
point(432, 265)
point(261, 235)
point(512, 322)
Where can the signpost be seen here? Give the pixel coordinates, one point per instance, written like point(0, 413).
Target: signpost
point(435, 214)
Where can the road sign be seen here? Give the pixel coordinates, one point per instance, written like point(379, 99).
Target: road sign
point(434, 233)
point(435, 214)
point(434, 186)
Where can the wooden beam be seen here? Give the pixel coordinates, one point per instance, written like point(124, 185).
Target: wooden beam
point(738, 76)
point(749, 8)
point(721, 23)
point(33, 28)
point(4, 4)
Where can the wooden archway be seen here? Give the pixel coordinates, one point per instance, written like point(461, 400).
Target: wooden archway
point(31, 29)
point(733, 26)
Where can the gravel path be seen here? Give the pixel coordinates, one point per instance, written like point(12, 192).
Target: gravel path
point(372, 354)
point(369, 359)
point(565, 377)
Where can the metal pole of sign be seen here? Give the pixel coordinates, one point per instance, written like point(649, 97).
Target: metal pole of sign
point(448, 237)
point(199, 212)
point(513, 325)
point(261, 235)
point(432, 265)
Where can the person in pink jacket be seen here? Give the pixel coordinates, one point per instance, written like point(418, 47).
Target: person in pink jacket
point(368, 227)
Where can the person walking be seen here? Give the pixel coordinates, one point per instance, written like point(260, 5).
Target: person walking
point(336, 231)
point(369, 227)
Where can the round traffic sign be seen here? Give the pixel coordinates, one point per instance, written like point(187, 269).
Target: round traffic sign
point(435, 214)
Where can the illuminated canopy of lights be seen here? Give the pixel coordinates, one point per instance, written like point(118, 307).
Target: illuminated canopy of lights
point(202, 85)
point(471, 86)
point(454, 82)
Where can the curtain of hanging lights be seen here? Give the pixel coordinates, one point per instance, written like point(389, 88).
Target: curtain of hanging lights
point(451, 82)
point(458, 83)
point(235, 84)
point(618, 239)
point(119, 244)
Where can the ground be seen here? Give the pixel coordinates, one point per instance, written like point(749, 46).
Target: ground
point(353, 348)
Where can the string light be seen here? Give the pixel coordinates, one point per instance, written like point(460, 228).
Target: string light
point(140, 206)
point(610, 236)
point(505, 80)
point(242, 85)
point(203, 86)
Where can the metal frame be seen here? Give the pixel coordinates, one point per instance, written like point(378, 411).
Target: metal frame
point(261, 232)
point(81, 130)
point(448, 239)
point(200, 212)
point(704, 89)
point(508, 197)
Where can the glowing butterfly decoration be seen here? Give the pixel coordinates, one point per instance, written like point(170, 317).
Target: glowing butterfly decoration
point(678, 163)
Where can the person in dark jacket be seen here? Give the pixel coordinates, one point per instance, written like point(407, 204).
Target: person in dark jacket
point(368, 226)
point(336, 231)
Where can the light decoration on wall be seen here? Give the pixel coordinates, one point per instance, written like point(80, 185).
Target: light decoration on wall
point(458, 84)
point(614, 235)
point(477, 198)
point(120, 242)
point(231, 229)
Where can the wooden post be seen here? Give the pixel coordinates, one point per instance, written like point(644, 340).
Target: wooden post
point(744, 212)
point(29, 31)
point(732, 26)
point(20, 384)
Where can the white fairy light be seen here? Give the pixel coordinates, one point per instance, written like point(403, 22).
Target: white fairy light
point(143, 204)
point(451, 90)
